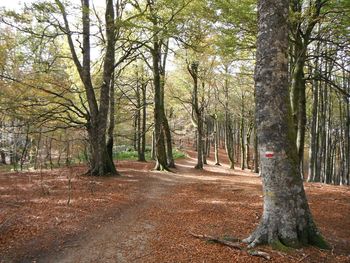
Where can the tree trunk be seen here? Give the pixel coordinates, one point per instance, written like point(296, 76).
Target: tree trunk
point(111, 124)
point(313, 131)
point(160, 151)
point(141, 155)
point(25, 149)
point(100, 163)
point(2, 157)
point(216, 141)
point(286, 220)
point(247, 143)
point(197, 111)
point(242, 140)
point(169, 146)
point(229, 142)
point(256, 151)
point(205, 141)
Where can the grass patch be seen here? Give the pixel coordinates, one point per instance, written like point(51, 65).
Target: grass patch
point(133, 156)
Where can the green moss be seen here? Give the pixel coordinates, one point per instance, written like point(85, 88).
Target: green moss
point(278, 245)
point(317, 240)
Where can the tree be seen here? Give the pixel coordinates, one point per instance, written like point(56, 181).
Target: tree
point(197, 112)
point(286, 220)
point(101, 163)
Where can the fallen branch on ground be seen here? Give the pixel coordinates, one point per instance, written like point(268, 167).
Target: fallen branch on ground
point(231, 244)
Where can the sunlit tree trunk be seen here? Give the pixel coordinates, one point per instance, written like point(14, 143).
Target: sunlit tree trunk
point(197, 111)
point(286, 220)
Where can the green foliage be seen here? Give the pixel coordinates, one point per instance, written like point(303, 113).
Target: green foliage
point(132, 155)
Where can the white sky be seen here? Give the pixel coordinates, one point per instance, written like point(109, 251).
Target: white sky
point(14, 4)
point(99, 4)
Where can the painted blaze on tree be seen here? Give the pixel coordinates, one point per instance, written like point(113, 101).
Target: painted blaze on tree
point(286, 220)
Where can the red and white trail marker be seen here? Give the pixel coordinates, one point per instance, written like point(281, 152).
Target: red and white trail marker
point(269, 154)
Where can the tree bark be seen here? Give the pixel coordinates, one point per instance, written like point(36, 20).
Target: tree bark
point(100, 163)
point(111, 124)
point(216, 141)
point(160, 151)
point(197, 111)
point(286, 220)
point(141, 155)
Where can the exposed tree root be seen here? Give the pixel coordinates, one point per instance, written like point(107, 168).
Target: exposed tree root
point(232, 243)
point(171, 165)
point(198, 167)
point(309, 236)
point(161, 168)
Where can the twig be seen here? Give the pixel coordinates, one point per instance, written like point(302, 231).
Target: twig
point(259, 254)
point(303, 258)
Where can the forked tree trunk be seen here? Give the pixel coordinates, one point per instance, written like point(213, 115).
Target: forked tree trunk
point(286, 220)
point(100, 163)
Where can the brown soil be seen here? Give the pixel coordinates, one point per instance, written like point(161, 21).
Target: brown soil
point(146, 216)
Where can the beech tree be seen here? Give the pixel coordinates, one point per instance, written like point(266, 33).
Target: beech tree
point(286, 220)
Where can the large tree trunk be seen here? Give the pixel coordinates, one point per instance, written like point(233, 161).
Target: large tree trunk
point(160, 151)
point(158, 83)
point(111, 125)
point(197, 111)
point(101, 163)
point(286, 220)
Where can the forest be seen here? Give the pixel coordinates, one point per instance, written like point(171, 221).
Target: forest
point(175, 131)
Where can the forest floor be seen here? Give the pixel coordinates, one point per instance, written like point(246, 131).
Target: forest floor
point(147, 216)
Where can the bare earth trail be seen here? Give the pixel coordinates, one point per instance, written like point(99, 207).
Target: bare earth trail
point(159, 210)
point(127, 237)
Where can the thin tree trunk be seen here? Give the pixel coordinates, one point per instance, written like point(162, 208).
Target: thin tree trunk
point(141, 156)
point(216, 141)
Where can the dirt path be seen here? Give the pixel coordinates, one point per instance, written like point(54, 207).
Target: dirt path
point(127, 237)
point(146, 216)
